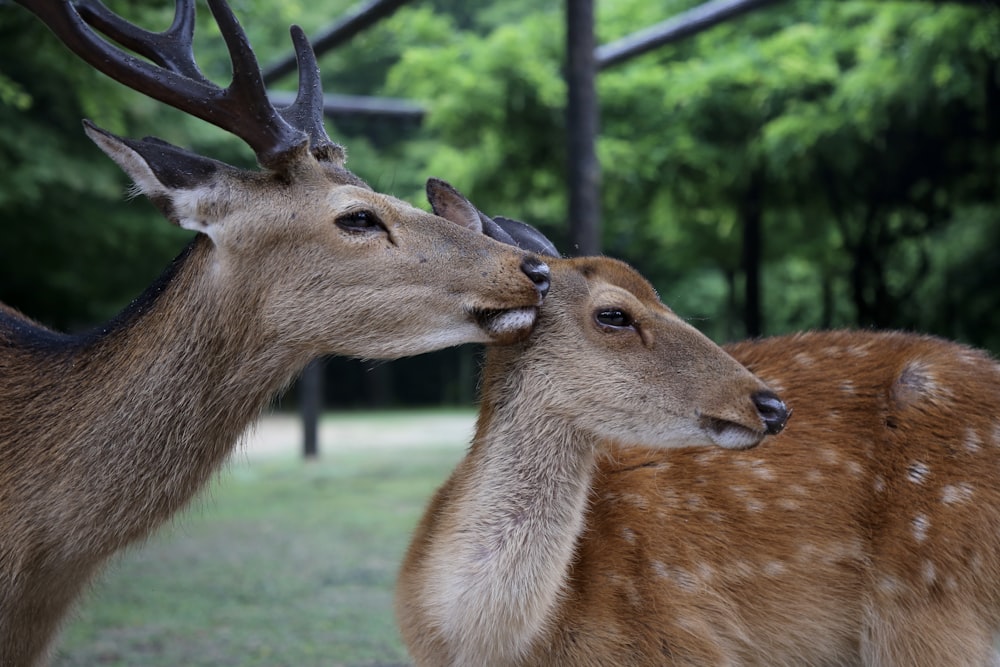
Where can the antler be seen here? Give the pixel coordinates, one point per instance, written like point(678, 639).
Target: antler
point(172, 76)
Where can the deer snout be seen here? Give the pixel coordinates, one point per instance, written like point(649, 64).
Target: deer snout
point(772, 410)
point(538, 272)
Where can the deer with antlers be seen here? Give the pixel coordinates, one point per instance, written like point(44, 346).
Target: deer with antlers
point(105, 435)
point(613, 508)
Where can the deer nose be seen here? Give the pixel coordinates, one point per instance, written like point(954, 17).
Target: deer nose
point(772, 410)
point(538, 272)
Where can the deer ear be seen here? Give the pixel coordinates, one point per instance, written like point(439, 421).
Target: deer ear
point(525, 237)
point(450, 204)
point(161, 171)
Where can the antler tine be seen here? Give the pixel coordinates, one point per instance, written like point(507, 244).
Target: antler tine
point(247, 88)
point(242, 108)
point(306, 112)
point(157, 46)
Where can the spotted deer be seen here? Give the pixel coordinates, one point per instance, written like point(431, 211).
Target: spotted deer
point(105, 435)
point(594, 523)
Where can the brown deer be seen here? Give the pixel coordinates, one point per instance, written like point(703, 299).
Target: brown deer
point(105, 435)
point(588, 527)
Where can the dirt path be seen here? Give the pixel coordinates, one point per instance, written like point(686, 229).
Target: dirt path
point(281, 434)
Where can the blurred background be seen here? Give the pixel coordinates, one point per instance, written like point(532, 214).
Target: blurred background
point(802, 165)
point(806, 164)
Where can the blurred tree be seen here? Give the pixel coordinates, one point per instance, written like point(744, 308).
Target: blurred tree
point(856, 143)
point(836, 136)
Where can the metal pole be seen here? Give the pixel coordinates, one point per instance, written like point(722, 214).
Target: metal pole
point(582, 117)
point(343, 30)
point(311, 404)
point(677, 27)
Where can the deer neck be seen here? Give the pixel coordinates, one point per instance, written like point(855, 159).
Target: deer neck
point(519, 498)
point(160, 398)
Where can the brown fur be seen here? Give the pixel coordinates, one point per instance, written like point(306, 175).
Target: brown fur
point(867, 533)
point(104, 436)
point(489, 565)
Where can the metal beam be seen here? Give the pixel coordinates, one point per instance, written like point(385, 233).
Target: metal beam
point(340, 32)
point(683, 25)
point(582, 120)
point(359, 105)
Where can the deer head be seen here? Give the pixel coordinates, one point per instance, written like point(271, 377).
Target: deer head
point(325, 259)
point(606, 345)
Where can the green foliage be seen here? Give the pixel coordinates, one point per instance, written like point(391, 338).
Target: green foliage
point(496, 121)
point(867, 131)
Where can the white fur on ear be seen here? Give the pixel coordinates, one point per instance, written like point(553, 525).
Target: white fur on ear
point(183, 207)
point(130, 161)
point(187, 212)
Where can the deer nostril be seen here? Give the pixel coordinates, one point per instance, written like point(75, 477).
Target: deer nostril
point(772, 411)
point(538, 272)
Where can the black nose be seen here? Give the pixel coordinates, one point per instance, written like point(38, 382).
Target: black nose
point(772, 411)
point(538, 271)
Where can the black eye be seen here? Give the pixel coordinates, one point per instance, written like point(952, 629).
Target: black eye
point(359, 221)
point(613, 318)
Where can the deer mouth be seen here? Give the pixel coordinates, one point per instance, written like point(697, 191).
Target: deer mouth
point(506, 325)
point(730, 435)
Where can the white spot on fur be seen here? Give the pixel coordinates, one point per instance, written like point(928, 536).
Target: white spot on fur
point(807, 552)
point(889, 584)
point(956, 493)
point(917, 472)
point(753, 504)
point(803, 359)
point(789, 504)
point(814, 476)
point(839, 552)
point(798, 490)
point(879, 484)
point(928, 572)
point(831, 456)
point(761, 470)
point(847, 387)
point(854, 468)
point(920, 525)
point(677, 576)
point(628, 535)
point(774, 568)
point(973, 443)
point(707, 457)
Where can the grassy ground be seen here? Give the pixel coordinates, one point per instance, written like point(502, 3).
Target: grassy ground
point(280, 563)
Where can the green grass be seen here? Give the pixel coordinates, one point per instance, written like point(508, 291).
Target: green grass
point(281, 562)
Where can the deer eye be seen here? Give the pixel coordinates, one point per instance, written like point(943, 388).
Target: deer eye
point(359, 221)
point(614, 318)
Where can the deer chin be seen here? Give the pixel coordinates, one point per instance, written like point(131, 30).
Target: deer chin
point(730, 435)
point(506, 326)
